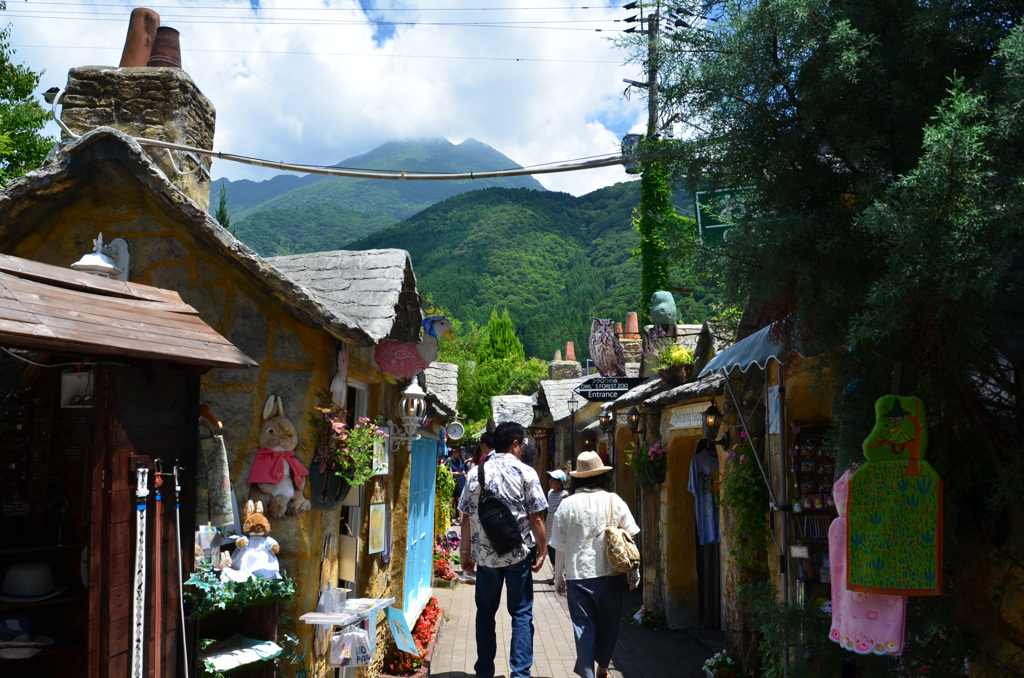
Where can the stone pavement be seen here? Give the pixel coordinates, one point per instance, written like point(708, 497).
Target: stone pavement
point(640, 652)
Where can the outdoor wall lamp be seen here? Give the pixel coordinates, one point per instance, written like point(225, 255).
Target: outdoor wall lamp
point(606, 420)
point(712, 422)
point(109, 260)
point(538, 413)
point(633, 419)
point(413, 405)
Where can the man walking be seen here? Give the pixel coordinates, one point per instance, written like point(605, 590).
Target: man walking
point(518, 487)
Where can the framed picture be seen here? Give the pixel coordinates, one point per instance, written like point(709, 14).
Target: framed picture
point(378, 517)
point(382, 453)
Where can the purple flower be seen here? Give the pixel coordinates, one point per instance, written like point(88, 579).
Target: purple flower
point(743, 434)
point(743, 458)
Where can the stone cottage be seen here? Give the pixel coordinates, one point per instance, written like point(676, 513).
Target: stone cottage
point(300, 317)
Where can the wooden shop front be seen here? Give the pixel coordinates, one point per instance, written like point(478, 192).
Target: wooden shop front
point(99, 379)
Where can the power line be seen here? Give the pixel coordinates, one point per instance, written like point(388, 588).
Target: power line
point(118, 17)
point(341, 54)
point(335, 9)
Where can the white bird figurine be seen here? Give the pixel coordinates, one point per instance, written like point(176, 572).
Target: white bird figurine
point(405, 359)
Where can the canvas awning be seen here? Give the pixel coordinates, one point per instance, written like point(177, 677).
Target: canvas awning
point(757, 349)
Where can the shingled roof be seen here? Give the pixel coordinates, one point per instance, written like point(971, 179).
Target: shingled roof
point(441, 383)
point(106, 156)
point(361, 288)
point(557, 393)
point(517, 408)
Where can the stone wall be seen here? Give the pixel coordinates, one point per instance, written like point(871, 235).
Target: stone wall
point(154, 103)
point(564, 369)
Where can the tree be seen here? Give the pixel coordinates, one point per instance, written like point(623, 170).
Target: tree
point(501, 341)
point(222, 215)
point(21, 117)
point(878, 147)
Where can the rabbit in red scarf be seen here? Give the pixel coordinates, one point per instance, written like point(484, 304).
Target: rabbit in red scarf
point(277, 477)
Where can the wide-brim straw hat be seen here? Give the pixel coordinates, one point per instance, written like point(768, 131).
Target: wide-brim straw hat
point(589, 464)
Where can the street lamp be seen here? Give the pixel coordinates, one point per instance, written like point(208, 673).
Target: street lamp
point(413, 405)
point(633, 419)
point(606, 421)
point(573, 406)
point(538, 412)
point(712, 422)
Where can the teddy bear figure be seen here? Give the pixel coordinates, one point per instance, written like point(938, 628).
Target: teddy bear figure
point(256, 552)
point(277, 477)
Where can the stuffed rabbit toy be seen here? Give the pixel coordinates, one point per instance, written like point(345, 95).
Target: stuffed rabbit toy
point(277, 476)
point(256, 552)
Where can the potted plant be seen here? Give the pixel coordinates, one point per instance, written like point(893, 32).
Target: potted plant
point(346, 452)
point(649, 462)
point(741, 489)
point(721, 666)
point(672, 361)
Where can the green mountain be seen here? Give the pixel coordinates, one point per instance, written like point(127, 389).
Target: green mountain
point(289, 214)
point(554, 260)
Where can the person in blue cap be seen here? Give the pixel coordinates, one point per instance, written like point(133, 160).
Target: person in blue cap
point(556, 493)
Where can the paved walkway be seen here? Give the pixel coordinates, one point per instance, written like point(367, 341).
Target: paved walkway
point(640, 652)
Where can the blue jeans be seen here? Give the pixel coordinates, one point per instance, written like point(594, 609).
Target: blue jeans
point(519, 597)
point(595, 607)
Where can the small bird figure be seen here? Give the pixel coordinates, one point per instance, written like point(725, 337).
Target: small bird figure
point(405, 359)
point(606, 349)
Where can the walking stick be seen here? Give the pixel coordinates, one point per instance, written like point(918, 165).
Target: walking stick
point(181, 572)
point(139, 594)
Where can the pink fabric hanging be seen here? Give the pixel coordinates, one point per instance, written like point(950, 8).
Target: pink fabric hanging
point(865, 623)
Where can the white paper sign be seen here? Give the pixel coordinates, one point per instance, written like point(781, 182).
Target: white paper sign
point(688, 416)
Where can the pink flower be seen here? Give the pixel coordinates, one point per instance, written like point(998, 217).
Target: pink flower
point(743, 458)
point(743, 434)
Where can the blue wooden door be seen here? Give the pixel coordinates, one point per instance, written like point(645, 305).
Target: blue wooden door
point(420, 544)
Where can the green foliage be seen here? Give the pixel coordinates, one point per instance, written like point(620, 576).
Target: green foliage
point(648, 462)
point(222, 215)
point(879, 146)
point(346, 452)
point(501, 341)
point(444, 490)
point(211, 594)
point(508, 376)
point(741, 489)
point(803, 624)
point(21, 117)
point(553, 260)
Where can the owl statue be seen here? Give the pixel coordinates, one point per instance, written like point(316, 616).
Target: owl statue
point(605, 349)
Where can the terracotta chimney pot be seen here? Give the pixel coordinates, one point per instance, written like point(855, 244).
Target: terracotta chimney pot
point(632, 327)
point(138, 44)
point(570, 352)
point(618, 329)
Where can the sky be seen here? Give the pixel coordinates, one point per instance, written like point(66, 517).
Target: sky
point(319, 81)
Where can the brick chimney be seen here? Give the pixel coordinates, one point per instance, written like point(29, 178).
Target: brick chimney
point(155, 103)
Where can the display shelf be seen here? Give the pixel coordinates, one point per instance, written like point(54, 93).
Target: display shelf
point(356, 610)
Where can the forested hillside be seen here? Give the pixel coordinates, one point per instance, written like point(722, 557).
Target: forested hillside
point(290, 215)
point(553, 260)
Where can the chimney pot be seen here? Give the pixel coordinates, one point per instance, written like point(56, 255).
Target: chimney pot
point(570, 351)
point(138, 44)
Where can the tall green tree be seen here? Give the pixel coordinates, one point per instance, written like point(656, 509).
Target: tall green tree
point(22, 148)
point(222, 215)
point(879, 150)
point(501, 341)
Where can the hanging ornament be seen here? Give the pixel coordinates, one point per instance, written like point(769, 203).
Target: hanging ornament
point(895, 511)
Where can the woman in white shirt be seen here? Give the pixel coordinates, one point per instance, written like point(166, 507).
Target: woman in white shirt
point(594, 588)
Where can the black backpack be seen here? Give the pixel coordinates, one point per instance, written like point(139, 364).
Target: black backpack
point(496, 519)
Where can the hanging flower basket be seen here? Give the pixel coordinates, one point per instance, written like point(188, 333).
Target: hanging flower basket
point(655, 472)
point(675, 374)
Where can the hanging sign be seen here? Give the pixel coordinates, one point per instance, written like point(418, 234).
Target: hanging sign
point(895, 507)
point(604, 389)
point(688, 416)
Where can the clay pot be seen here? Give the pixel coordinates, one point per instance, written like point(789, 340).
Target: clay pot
point(138, 44)
point(675, 374)
point(166, 49)
point(632, 326)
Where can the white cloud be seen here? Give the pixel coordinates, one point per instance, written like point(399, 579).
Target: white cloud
point(317, 93)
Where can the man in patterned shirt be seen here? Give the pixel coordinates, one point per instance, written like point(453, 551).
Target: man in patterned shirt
point(518, 487)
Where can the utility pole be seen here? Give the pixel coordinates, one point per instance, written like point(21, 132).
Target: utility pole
point(652, 73)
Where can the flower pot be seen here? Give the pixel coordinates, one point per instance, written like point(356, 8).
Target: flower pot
point(675, 374)
point(654, 473)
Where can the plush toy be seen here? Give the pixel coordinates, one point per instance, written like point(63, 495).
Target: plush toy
point(277, 476)
point(256, 552)
point(406, 359)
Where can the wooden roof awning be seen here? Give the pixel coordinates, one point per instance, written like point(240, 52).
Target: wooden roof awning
point(48, 308)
